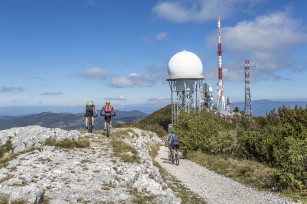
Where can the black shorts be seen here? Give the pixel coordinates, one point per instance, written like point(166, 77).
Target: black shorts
point(175, 146)
point(107, 118)
point(89, 111)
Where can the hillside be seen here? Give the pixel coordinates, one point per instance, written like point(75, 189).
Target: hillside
point(157, 121)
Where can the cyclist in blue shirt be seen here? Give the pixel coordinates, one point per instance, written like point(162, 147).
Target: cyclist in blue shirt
point(173, 144)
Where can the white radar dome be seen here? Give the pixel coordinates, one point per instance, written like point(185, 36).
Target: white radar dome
point(185, 64)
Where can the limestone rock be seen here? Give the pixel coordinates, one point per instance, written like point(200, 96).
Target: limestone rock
point(80, 175)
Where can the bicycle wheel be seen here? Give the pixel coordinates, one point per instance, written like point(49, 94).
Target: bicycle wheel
point(169, 155)
point(177, 158)
point(108, 130)
point(172, 156)
point(90, 125)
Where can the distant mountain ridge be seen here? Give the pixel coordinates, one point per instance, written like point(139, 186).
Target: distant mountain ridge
point(67, 121)
point(262, 107)
point(71, 121)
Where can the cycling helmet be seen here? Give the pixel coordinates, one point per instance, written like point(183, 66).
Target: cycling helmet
point(107, 101)
point(90, 103)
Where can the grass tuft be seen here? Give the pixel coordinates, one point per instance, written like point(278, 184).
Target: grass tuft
point(124, 151)
point(122, 133)
point(139, 198)
point(6, 148)
point(69, 144)
point(4, 199)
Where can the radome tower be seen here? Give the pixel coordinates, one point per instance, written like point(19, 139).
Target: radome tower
point(185, 78)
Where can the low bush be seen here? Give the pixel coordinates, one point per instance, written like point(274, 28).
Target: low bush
point(6, 148)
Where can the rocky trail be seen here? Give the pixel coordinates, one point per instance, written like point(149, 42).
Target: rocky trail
point(212, 187)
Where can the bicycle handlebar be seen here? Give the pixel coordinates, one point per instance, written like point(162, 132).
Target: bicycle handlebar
point(112, 114)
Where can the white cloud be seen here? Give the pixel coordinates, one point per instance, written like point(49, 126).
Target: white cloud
point(133, 80)
point(277, 31)
point(198, 10)
point(161, 36)
point(116, 98)
point(95, 72)
point(158, 99)
point(268, 40)
point(121, 82)
point(153, 39)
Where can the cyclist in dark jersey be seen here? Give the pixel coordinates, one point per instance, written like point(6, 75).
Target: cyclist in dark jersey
point(89, 111)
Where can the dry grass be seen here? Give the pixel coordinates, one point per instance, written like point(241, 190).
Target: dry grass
point(10, 156)
point(5, 200)
point(248, 172)
point(124, 151)
point(139, 198)
point(69, 144)
point(123, 132)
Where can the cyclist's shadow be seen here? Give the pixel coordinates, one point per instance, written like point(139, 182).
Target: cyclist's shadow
point(166, 160)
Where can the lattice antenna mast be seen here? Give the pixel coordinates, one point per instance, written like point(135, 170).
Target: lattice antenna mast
point(248, 100)
point(220, 87)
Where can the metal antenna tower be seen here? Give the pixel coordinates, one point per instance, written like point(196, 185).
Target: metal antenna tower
point(221, 106)
point(184, 95)
point(248, 100)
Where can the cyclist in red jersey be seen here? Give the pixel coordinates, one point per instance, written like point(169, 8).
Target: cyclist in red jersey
point(107, 111)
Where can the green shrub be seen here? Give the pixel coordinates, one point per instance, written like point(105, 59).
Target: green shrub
point(6, 148)
point(286, 180)
point(203, 130)
point(281, 142)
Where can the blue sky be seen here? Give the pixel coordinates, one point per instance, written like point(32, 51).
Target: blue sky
point(65, 52)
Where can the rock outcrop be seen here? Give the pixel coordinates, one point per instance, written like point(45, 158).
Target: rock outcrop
point(80, 175)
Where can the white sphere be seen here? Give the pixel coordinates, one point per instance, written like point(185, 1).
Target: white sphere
point(185, 64)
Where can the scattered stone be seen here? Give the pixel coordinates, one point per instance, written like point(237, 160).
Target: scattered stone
point(80, 175)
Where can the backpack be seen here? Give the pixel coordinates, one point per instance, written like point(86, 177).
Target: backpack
point(174, 139)
point(108, 108)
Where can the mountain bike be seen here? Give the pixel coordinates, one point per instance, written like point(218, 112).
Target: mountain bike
point(108, 127)
point(170, 153)
point(177, 157)
point(175, 154)
point(90, 123)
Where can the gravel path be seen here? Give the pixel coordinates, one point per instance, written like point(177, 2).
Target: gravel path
point(214, 188)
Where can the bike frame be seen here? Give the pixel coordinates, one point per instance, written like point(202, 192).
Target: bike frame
point(108, 129)
point(90, 124)
point(175, 156)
